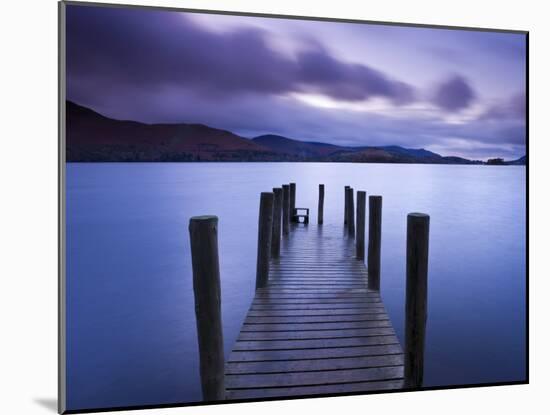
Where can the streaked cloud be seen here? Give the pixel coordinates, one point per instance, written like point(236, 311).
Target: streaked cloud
point(454, 94)
point(335, 82)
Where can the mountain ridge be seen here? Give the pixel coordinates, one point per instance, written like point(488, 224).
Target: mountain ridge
point(93, 137)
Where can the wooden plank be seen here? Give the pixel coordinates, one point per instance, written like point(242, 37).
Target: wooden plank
point(313, 344)
point(338, 285)
point(338, 289)
point(321, 279)
point(340, 388)
point(316, 301)
point(326, 267)
point(315, 319)
point(334, 293)
point(322, 289)
point(303, 256)
point(362, 290)
point(316, 326)
point(277, 280)
point(317, 276)
point(324, 334)
point(313, 378)
point(308, 257)
point(318, 283)
point(346, 274)
point(317, 297)
point(292, 272)
point(313, 258)
point(323, 312)
point(274, 355)
point(313, 273)
point(314, 290)
point(362, 305)
point(308, 365)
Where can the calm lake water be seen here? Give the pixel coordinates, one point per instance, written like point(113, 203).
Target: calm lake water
point(130, 311)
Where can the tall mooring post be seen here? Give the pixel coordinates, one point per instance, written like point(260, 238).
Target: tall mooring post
point(277, 216)
point(375, 241)
point(351, 213)
point(320, 207)
point(360, 234)
point(418, 229)
point(203, 232)
point(346, 188)
point(292, 200)
point(286, 209)
point(265, 226)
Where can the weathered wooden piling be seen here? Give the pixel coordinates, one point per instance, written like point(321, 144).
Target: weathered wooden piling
point(351, 213)
point(360, 235)
point(265, 225)
point(320, 207)
point(292, 200)
point(286, 209)
point(375, 238)
point(346, 204)
point(346, 207)
point(203, 232)
point(418, 228)
point(277, 216)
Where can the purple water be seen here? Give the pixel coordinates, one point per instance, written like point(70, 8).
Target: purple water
point(131, 335)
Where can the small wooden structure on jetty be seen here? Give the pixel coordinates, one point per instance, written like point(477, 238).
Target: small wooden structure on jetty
point(317, 324)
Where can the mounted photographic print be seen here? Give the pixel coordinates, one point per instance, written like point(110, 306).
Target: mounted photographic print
point(258, 207)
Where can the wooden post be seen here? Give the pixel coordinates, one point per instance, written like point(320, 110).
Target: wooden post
point(265, 226)
point(351, 213)
point(321, 204)
point(286, 208)
point(292, 200)
point(346, 204)
point(418, 229)
point(346, 208)
point(375, 237)
point(361, 213)
point(203, 231)
point(277, 215)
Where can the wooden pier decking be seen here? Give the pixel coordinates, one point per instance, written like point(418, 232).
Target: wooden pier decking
point(315, 328)
point(317, 324)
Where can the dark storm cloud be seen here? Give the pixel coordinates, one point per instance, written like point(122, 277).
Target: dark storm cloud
point(514, 108)
point(454, 94)
point(126, 48)
point(157, 66)
point(348, 82)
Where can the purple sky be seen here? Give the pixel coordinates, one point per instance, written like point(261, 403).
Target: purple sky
point(453, 92)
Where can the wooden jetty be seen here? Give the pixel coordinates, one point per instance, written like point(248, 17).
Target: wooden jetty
point(315, 328)
point(316, 325)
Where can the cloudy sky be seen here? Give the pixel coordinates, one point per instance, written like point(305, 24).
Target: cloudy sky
point(453, 92)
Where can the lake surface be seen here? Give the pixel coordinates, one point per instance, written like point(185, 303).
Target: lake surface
point(131, 334)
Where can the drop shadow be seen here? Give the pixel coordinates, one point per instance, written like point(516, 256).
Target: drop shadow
point(48, 403)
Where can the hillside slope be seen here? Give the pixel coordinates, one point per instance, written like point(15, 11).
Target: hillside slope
point(93, 137)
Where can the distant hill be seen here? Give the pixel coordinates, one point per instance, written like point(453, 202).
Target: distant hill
point(301, 149)
point(522, 161)
point(92, 137)
point(314, 151)
point(395, 154)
